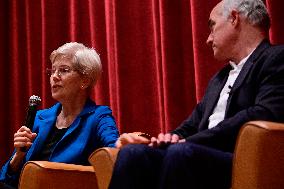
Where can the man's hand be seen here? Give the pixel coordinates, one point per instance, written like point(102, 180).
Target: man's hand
point(131, 138)
point(164, 140)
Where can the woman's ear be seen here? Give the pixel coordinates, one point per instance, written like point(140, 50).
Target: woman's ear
point(86, 82)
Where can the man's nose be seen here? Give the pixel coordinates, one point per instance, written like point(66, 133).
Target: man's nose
point(209, 40)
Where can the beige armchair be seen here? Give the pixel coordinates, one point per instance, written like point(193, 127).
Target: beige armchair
point(259, 156)
point(103, 161)
point(258, 160)
point(50, 175)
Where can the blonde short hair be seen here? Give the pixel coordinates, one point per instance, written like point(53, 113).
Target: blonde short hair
point(85, 60)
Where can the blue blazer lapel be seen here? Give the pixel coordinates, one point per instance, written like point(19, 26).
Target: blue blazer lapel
point(88, 108)
point(72, 128)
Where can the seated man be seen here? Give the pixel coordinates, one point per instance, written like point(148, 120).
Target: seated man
point(198, 154)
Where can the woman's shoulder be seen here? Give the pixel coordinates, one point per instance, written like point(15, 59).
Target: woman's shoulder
point(92, 109)
point(98, 113)
point(103, 108)
point(99, 110)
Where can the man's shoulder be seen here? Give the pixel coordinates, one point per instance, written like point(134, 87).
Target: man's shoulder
point(267, 54)
point(274, 54)
point(279, 48)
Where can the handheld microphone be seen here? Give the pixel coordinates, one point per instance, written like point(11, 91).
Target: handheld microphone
point(34, 101)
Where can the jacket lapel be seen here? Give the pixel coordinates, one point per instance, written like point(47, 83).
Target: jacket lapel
point(246, 68)
point(213, 94)
point(88, 108)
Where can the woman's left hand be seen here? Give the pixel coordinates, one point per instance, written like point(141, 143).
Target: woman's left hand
point(131, 138)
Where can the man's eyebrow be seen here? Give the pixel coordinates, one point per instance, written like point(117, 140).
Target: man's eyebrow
point(210, 23)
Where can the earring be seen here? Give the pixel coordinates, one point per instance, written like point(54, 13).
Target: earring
point(82, 86)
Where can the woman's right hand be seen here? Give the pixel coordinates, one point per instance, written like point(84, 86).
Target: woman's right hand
point(23, 138)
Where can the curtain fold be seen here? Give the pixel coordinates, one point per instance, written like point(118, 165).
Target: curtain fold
point(276, 11)
point(156, 64)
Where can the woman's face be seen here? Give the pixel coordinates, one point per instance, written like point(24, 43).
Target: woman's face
point(65, 81)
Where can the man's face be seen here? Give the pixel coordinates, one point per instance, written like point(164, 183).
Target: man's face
point(221, 35)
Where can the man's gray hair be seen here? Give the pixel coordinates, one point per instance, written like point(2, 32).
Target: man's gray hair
point(254, 11)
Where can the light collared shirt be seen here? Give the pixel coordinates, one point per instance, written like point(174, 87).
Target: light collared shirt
point(219, 111)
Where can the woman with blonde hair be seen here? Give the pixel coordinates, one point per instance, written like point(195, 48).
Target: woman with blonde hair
point(74, 127)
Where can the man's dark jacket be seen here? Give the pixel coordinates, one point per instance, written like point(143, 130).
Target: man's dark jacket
point(257, 94)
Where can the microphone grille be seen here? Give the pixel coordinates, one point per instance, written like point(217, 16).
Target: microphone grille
point(34, 100)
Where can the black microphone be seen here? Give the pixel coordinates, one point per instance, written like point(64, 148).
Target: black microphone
point(34, 101)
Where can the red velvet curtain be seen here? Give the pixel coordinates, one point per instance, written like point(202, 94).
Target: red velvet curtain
point(156, 64)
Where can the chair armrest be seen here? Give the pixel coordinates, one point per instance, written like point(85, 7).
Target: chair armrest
point(259, 156)
point(103, 160)
point(51, 175)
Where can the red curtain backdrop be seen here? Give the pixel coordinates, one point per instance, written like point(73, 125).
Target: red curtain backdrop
point(156, 64)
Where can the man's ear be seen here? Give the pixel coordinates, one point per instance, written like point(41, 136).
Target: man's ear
point(234, 18)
